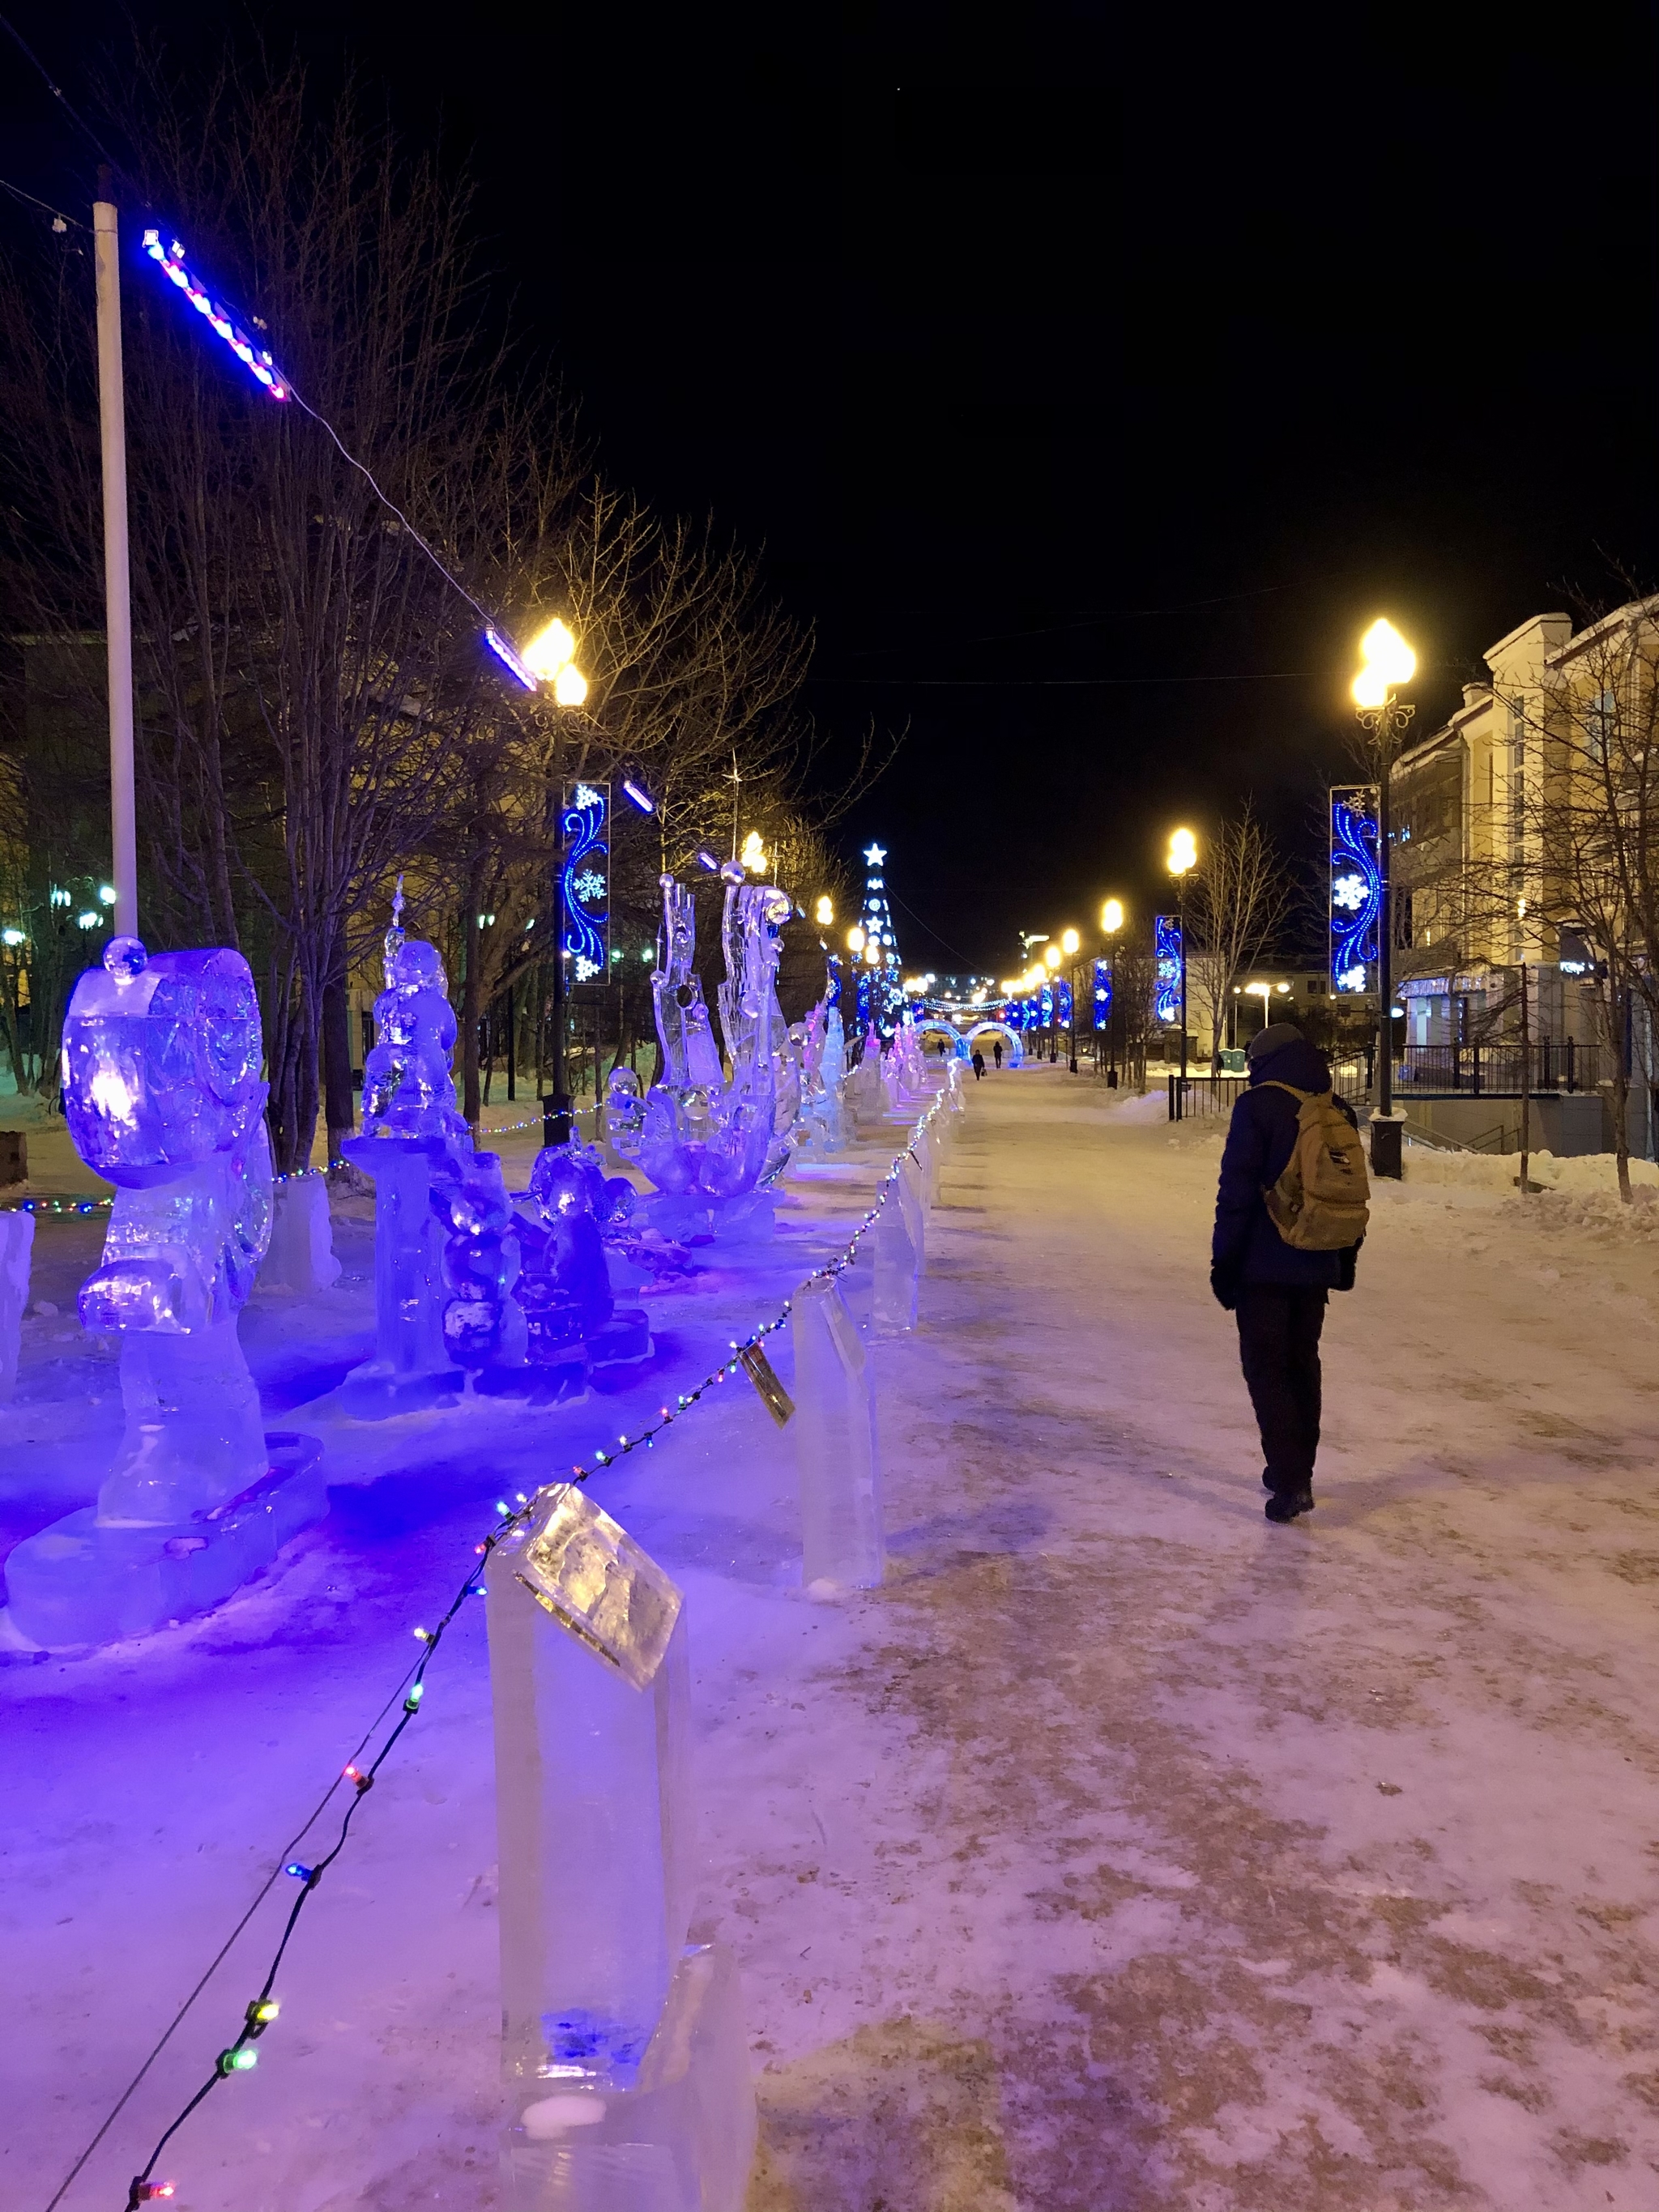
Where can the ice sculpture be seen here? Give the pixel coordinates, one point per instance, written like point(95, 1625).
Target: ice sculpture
point(623, 2047)
point(689, 1056)
point(836, 1464)
point(16, 1243)
point(162, 1095)
point(865, 1092)
point(821, 1124)
point(565, 1290)
point(445, 1251)
point(712, 1151)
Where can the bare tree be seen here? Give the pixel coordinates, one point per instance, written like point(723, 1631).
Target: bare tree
point(1238, 902)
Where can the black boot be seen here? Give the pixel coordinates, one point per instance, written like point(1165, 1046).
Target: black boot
point(1286, 1504)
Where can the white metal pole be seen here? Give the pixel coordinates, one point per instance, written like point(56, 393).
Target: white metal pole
point(118, 590)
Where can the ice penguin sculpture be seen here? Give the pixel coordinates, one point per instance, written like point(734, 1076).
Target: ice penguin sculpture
point(162, 1095)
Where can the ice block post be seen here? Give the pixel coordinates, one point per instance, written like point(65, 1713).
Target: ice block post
point(836, 1464)
point(16, 1243)
point(623, 2050)
point(898, 1259)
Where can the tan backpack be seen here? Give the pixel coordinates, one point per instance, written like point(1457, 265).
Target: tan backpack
point(1321, 1202)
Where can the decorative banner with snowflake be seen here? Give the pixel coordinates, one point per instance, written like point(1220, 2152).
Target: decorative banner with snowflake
point(1166, 951)
point(1103, 993)
point(585, 923)
point(1356, 888)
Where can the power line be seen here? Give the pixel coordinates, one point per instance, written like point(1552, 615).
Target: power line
point(58, 92)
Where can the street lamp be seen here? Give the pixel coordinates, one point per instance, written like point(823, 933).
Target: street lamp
point(1069, 942)
point(1388, 661)
point(550, 658)
point(1181, 859)
point(1111, 922)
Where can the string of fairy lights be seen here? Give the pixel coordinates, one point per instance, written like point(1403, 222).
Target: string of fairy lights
point(241, 2053)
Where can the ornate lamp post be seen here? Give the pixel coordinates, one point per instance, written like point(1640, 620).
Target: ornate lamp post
point(1181, 859)
point(550, 660)
point(1389, 661)
point(1111, 923)
point(1069, 942)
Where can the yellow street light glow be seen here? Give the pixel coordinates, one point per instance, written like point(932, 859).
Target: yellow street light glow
point(1054, 956)
point(1390, 662)
point(548, 651)
point(855, 938)
point(872, 954)
point(1183, 852)
point(570, 686)
point(824, 913)
point(1111, 916)
point(1069, 940)
point(753, 855)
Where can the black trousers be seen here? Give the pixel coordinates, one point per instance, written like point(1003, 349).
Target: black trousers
point(1279, 1348)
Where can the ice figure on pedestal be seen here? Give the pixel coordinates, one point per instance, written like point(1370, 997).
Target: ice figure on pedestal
point(623, 2046)
point(712, 1151)
point(566, 1289)
point(163, 1094)
point(864, 1090)
point(446, 1256)
point(821, 1125)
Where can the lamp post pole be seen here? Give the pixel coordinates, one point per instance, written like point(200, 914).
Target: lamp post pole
point(117, 590)
point(1386, 725)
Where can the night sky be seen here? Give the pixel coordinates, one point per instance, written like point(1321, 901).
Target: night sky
point(1091, 378)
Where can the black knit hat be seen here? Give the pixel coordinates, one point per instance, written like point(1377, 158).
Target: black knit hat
point(1271, 1038)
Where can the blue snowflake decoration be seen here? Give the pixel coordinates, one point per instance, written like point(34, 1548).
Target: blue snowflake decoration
point(1063, 1003)
point(585, 924)
point(1166, 949)
point(1356, 889)
point(1103, 993)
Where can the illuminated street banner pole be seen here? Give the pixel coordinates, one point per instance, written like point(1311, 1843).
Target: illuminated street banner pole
point(582, 906)
point(1356, 889)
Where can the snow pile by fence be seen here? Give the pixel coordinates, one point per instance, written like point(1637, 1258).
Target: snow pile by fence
point(1585, 1176)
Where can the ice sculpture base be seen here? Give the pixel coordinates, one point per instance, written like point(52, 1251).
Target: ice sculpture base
point(681, 2140)
point(837, 1461)
point(625, 1338)
point(82, 1581)
point(371, 1393)
point(539, 1382)
point(694, 1217)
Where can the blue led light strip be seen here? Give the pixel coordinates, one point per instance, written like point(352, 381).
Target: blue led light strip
point(1356, 888)
point(170, 260)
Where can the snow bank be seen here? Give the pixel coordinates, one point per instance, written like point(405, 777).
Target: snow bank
point(1587, 1176)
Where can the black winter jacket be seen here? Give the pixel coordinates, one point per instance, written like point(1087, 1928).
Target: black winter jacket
point(1260, 1138)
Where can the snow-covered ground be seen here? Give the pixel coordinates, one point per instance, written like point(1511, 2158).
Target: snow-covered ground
point(1123, 1851)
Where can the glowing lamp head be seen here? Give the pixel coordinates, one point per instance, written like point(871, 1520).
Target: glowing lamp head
point(1388, 662)
point(753, 855)
point(872, 954)
point(570, 686)
point(855, 938)
point(1111, 917)
point(1183, 852)
point(551, 649)
point(1069, 940)
point(1054, 956)
point(824, 913)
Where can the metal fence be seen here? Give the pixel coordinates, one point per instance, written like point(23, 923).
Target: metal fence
point(1496, 1071)
point(1193, 1097)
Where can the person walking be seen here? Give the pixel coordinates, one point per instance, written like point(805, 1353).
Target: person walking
point(1289, 1217)
point(996, 1050)
point(979, 1064)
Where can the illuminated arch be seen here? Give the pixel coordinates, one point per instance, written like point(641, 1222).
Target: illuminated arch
point(938, 1027)
point(1009, 1037)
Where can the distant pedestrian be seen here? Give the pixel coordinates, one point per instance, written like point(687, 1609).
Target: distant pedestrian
point(1289, 1217)
point(979, 1064)
point(996, 1050)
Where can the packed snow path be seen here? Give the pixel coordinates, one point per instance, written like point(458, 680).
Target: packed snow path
point(1123, 1851)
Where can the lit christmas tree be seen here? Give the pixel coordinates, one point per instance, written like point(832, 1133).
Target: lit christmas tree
point(881, 991)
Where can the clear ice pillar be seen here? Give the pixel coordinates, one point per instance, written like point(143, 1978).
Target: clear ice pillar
point(623, 2047)
point(17, 1243)
point(897, 1239)
point(411, 1365)
point(836, 1464)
